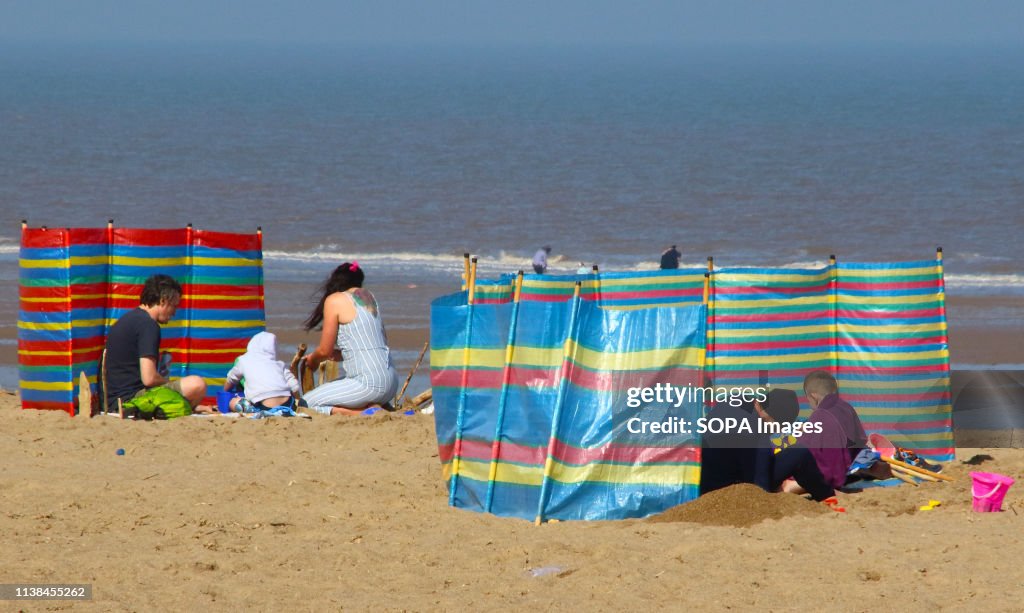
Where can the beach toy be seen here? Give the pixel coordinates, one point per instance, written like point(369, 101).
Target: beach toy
point(120, 452)
point(931, 505)
point(904, 462)
point(988, 491)
point(882, 445)
point(889, 451)
point(833, 503)
point(224, 400)
point(371, 410)
point(409, 412)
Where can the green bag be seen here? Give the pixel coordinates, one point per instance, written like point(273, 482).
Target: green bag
point(158, 403)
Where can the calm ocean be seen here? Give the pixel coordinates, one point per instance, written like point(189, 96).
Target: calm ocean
point(405, 158)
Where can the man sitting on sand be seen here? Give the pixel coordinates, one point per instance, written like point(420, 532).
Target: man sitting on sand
point(133, 348)
point(842, 435)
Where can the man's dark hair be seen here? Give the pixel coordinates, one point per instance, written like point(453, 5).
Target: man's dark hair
point(159, 288)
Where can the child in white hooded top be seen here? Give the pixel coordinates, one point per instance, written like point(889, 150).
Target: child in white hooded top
point(268, 382)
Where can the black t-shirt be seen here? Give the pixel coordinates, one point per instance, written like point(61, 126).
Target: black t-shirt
point(134, 336)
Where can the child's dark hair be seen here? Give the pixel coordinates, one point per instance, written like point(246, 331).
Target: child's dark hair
point(782, 405)
point(344, 278)
point(159, 288)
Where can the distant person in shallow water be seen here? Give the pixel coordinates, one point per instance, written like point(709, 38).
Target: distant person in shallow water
point(670, 258)
point(351, 324)
point(540, 260)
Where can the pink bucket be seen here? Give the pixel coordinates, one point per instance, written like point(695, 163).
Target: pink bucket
point(988, 491)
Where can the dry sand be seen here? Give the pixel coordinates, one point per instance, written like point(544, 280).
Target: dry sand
point(330, 513)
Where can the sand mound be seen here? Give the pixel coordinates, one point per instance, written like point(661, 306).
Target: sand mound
point(740, 505)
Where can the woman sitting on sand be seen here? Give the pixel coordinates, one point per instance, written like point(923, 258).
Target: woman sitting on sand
point(351, 324)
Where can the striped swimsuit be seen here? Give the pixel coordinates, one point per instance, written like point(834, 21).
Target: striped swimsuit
point(369, 375)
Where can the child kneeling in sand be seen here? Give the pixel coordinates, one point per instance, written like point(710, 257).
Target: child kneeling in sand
point(268, 382)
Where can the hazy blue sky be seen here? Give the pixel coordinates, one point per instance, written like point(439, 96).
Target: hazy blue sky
point(513, 21)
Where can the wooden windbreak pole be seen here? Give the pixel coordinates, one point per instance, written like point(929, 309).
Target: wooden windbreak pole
point(108, 292)
point(707, 288)
point(68, 306)
point(833, 308)
point(262, 290)
point(944, 326)
point(704, 354)
point(597, 284)
point(709, 350)
point(108, 289)
point(104, 395)
point(24, 227)
point(563, 386)
point(465, 271)
point(942, 307)
point(461, 414)
point(506, 376)
point(190, 266)
point(471, 284)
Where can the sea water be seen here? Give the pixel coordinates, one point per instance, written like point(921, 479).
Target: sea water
point(404, 158)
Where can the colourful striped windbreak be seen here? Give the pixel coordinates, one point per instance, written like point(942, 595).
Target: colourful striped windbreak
point(892, 352)
point(75, 283)
point(532, 406)
point(880, 328)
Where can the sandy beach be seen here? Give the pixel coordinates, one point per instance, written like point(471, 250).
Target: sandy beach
point(332, 513)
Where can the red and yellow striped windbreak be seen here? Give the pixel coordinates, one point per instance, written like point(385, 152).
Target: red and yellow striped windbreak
point(75, 283)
